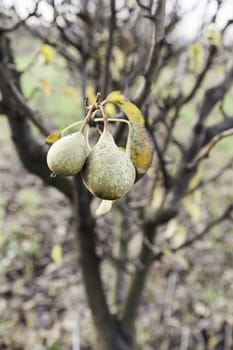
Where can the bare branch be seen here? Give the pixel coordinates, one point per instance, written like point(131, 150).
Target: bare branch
point(226, 215)
point(112, 26)
point(213, 178)
point(202, 75)
point(15, 93)
point(204, 152)
point(155, 52)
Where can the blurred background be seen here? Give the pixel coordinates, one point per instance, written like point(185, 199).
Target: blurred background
point(188, 300)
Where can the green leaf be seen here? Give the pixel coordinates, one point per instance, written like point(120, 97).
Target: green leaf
point(56, 254)
point(131, 110)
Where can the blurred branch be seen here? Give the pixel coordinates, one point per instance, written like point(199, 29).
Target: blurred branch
point(226, 215)
point(217, 129)
point(112, 26)
point(32, 153)
point(15, 26)
point(213, 178)
point(201, 76)
point(157, 44)
point(19, 99)
point(204, 152)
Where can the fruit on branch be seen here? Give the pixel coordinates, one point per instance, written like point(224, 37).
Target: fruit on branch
point(67, 156)
point(108, 172)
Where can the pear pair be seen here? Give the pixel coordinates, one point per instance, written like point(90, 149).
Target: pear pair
point(107, 172)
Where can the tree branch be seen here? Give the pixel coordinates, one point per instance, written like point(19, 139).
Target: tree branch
point(152, 222)
point(205, 151)
point(226, 215)
point(105, 323)
point(112, 26)
point(155, 53)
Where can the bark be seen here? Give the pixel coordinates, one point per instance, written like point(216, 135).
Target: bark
point(110, 335)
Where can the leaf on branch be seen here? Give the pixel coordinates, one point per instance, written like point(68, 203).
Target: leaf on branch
point(195, 180)
point(56, 254)
point(158, 196)
point(104, 207)
point(213, 34)
point(56, 135)
point(131, 110)
point(197, 56)
point(142, 148)
point(53, 137)
point(48, 53)
point(192, 208)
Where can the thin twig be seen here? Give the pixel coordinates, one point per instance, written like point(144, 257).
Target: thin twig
point(204, 152)
point(224, 216)
point(31, 115)
point(112, 26)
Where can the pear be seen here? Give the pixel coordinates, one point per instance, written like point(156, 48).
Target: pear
point(67, 156)
point(108, 172)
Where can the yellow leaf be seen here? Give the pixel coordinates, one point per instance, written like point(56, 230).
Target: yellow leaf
point(90, 94)
point(117, 63)
point(197, 56)
point(110, 109)
point(192, 208)
point(179, 236)
point(56, 135)
point(158, 196)
point(104, 207)
point(45, 86)
point(141, 148)
point(48, 53)
point(170, 229)
point(214, 35)
point(196, 179)
point(131, 110)
point(70, 91)
point(53, 137)
point(56, 254)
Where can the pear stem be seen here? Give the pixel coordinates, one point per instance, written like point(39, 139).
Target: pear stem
point(70, 127)
point(105, 117)
point(88, 116)
point(128, 143)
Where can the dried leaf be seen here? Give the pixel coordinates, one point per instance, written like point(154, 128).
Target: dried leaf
point(141, 148)
point(131, 110)
point(56, 254)
point(104, 207)
point(48, 53)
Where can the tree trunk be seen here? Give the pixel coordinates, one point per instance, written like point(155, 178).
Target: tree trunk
point(109, 332)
